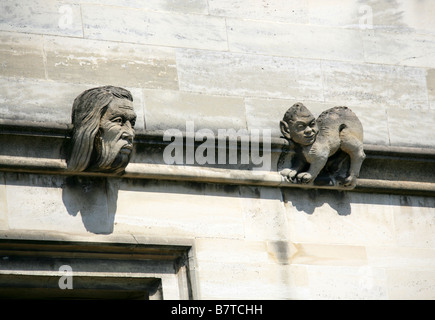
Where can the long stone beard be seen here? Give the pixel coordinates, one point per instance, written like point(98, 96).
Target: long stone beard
point(109, 157)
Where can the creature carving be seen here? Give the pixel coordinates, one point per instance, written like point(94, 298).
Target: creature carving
point(103, 130)
point(323, 151)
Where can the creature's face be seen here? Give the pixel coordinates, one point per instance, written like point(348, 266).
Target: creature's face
point(303, 129)
point(114, 142)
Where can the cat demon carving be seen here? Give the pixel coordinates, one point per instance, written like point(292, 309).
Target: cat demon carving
point(325, 151)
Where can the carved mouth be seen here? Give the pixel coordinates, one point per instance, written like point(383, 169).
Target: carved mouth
point(310, 137)
point(127, 148)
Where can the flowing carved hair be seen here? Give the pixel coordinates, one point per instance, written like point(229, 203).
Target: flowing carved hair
point(88, 108)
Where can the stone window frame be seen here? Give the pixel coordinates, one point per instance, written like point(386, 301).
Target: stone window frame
point(31, 269)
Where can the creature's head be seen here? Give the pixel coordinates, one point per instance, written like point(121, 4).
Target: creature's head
point(299, 125)
point(103, 120)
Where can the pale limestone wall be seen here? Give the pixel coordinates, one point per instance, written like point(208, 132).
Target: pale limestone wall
point(251, 59)
point(234, 64)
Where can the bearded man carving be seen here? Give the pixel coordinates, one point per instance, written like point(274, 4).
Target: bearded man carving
point(103, 121)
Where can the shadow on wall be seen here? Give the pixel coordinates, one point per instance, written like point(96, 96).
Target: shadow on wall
point(310, 199)
point(95, 199)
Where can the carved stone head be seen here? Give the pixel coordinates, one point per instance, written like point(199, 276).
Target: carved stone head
point(103, 132)
point(299, 125)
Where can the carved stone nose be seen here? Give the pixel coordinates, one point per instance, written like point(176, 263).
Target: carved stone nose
point(127, 136)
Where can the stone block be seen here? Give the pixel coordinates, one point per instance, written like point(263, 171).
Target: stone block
point(319, 216)
point(398, 16)
point(225, 280)
point(410, 127)
point(37, 100)
point(403, 15)
point(155, 28)
point(374, 84)
point(191, 6)
point(347, 283)
point(250, 75)
point(3, 204)
point(231, 251)
point(409, 49)
point(167, 109)
point(321, 254)
point(264, 214)
point(35, 203)
point(48, 101)
point(335, 13)
point(430, 80)
point(301, 41)
point(155, 208)
point(401, 256)
point(21, 55)
point(282, 10)
point(414, 221)
point(41, 16)
point(101, 62)
point(411, 284)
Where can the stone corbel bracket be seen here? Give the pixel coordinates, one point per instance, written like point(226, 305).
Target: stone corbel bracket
point(38, 148)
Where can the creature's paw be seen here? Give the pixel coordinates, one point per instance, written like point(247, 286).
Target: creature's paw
point(350, 182)
point(289, 174)
point(304, 178)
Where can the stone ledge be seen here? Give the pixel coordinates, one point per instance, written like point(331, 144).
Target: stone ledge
point(396, 170)
point(209, 175)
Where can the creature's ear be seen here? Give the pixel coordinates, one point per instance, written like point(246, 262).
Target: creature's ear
point(284, 129)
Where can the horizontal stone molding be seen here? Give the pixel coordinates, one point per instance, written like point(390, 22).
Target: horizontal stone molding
point(208, 175)
point(395, 170)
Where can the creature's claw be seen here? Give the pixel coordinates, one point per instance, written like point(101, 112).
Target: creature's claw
point(304, 178)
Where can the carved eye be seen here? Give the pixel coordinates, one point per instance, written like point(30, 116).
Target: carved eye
point(117, 120)
point(133, 122)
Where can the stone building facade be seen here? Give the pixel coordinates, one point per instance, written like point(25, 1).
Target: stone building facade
point(197, 227)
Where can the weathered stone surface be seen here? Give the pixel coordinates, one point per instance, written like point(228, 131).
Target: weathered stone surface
point(191, 6)
point(347, 282)
point(101, 62)
point(281, 10)
point(329, 254)
point(231, 64)
point(249, 75)
point(417, 212)
point(21, 55)
point(393, 16)
point(48, 101)
point(163, 208)
point(374, 85)
point(295, 40)
point(408, 49)
point(35, 203)
point(331, 217)
point(36, 100)
point(412, 131)
point(165, 109)
point(147, 27)
point(411, 284)
point(42, 17)
point(430, 80)
point(264, 214)
point(3, 204)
